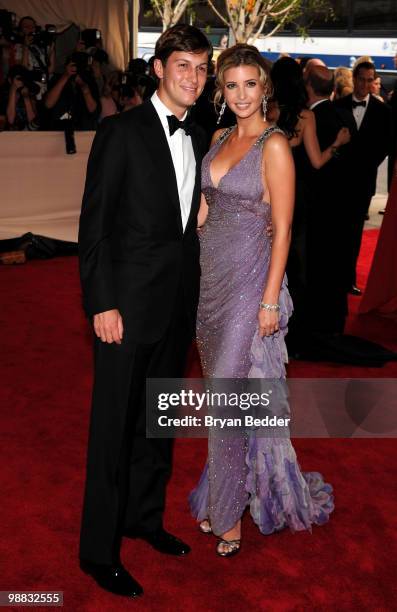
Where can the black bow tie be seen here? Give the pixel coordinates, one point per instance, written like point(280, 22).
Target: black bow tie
point(174, 124)
point(362, 103)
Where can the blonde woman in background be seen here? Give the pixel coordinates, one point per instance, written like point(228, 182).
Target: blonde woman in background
point(343, 82)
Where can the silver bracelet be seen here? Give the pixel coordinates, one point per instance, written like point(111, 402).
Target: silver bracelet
point(264, 306)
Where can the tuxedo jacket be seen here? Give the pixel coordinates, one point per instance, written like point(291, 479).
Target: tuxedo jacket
point(133, 252)
point(371, 143)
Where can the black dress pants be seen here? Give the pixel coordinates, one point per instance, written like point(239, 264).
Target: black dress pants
point(127, 473)
point(360, 206)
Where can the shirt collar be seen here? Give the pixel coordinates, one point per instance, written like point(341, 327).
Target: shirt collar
point(163, 111)
point(366, 99)
point(318, 102)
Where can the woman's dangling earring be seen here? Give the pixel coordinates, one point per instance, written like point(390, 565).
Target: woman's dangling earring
point(264, 107)
point(223, 107)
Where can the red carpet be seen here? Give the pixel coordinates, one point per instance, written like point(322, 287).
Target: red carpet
point(348, 564)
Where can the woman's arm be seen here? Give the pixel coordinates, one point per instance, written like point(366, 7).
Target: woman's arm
point(30, 106)
point(279, 176)
point(54, 93)
point(317, 157)
point(202, 213)
point(89, 100)
point(11, 111)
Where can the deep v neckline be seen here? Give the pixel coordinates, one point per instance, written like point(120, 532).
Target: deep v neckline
point(234, 165)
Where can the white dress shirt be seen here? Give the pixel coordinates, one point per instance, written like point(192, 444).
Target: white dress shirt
point(359, 111)
point(183, 158)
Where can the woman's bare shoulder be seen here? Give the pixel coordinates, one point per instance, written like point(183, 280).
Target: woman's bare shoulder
point(275, 139)
point(217, 134)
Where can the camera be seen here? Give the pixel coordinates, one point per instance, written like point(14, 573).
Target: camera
point(28, 78)
point(43, 38)
point(90, 37)
point(83, 63)
point(8, 25)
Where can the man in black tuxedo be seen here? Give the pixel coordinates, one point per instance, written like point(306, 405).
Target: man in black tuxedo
point(369, 148)
point(327, 250)
point(139, 268)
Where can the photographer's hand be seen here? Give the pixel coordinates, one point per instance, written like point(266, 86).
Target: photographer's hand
point(88, 99)
point(81, 83)
point(17, 84)
point(70, 70)
point(54, 93)
point(30, 105)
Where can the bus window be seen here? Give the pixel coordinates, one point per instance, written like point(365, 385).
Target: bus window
point(370, 15)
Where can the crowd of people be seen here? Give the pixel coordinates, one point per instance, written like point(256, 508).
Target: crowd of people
point(34, 96)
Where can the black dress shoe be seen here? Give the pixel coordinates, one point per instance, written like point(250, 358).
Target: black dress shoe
point(355, 290)
point(113, 578)
point(164, 542)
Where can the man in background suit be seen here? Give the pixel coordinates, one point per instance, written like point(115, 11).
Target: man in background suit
point(139, 268)
point(326, 247)
point(369, 148)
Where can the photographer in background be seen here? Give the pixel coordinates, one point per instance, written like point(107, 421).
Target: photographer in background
point(110, 98)
point(73, 96)
point(36, 47)
point(17, 101)
point(131, 95)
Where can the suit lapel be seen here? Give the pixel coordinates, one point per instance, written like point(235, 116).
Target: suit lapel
point(197, 182)
point(157, 145)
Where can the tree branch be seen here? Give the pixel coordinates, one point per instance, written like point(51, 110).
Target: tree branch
point(283, 11)
point(218, 13)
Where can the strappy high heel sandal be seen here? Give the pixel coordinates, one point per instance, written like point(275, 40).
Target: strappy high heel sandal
point(205, 527)
point(233, 547)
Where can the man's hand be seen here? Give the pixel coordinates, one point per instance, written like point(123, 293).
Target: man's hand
point(70, 70)
point(79, 81)
point(108, 326)
point(17, 83)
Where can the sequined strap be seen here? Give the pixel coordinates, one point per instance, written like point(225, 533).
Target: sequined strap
point(224, 135)
point(268, 132)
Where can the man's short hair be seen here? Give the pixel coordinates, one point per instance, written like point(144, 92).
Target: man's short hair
point(321, 80)
point(363, 66)
point(181, 38)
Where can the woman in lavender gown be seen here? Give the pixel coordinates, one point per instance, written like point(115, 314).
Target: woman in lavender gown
point(248, 183)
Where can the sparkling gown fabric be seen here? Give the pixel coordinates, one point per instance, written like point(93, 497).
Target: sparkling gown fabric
point(235, 255)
